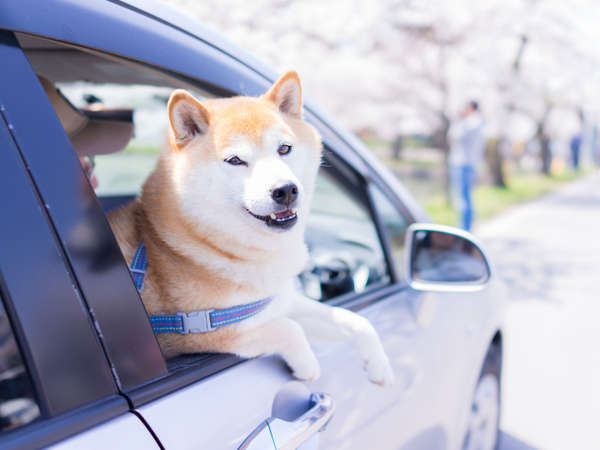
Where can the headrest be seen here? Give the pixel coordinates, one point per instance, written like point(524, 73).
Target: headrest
point(92, 132)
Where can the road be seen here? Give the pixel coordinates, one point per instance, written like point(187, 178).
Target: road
point(548, 252)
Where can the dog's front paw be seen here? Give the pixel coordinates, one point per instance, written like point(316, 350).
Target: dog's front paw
point(307, 370)
point(380, 371)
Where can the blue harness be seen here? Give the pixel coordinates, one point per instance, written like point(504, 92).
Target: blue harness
point(200, 321)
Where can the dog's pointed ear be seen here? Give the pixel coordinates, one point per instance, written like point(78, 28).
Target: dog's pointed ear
point(286, 93)
point(187, 116)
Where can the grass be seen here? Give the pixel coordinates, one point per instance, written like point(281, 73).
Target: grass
point(373, 142)
point(490, 200)
point(141, 149)
point(412, 163)
point(407, 142)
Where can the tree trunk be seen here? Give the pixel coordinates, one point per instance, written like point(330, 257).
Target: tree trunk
point(495, 158)
point(544, 141)
point(447, 177)
point(397, 145)
point(546, 155)
point(440, 140)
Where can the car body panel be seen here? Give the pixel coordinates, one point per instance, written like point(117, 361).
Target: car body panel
point(219, 411)
point(431, 340)
point(129, 429)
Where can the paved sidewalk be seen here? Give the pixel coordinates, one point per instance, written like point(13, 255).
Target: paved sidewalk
point(548, 252)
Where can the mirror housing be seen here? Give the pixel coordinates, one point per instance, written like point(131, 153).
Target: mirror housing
point(446, 259)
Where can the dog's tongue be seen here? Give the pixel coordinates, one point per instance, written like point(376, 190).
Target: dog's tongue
point(284, 214)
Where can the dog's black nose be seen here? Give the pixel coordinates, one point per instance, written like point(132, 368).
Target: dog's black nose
point(286, 194)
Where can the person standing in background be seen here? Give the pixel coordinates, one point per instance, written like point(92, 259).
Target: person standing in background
point(575, 146)
point(467, 145)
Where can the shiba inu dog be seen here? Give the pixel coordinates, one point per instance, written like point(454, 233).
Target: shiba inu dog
point(222, 218)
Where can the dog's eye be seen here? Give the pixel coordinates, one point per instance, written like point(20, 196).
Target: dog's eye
point(284, 149)
point(235, 161)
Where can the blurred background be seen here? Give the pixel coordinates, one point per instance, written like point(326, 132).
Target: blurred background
point(398, 73)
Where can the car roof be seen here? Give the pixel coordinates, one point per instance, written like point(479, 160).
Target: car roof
point(164, 12)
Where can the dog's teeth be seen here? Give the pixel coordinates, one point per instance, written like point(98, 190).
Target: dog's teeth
point(273, 216)
point(294, 210)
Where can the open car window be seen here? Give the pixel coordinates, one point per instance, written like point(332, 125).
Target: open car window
point(115, 115)
point(114, 112)
point(142, 134)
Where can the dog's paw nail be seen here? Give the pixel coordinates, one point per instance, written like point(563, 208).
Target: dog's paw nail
point(309, 372)
point(380, 373)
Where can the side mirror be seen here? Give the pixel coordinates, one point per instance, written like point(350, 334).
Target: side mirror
point(442, 258)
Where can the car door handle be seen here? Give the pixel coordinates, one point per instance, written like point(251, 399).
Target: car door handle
point(287, 435)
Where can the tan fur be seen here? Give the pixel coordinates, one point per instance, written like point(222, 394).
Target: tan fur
point(246, 116)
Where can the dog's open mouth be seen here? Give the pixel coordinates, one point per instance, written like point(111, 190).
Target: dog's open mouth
point(282, 219)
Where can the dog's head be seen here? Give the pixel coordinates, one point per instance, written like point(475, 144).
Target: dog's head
point(244, 164)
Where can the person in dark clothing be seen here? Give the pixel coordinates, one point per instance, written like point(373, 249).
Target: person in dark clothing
point(466, 151)
point(575, 149)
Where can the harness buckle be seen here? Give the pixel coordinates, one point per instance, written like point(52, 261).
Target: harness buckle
point(196, 321)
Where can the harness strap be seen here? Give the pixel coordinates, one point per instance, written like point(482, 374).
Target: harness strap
point(138, 266)
point(200, 321)
point(204, 320)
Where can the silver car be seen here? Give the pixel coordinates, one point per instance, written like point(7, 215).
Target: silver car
point(86, 83)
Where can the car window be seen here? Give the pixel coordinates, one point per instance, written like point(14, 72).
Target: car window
point(114, 112)
point(394, 224)
point(345, 252)
point(18, 406)
point(131, 159)
point(115, 115)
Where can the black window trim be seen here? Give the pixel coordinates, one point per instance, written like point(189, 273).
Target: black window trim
point(32, 329)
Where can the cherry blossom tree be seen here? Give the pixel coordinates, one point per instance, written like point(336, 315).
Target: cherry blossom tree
point(406, 66)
